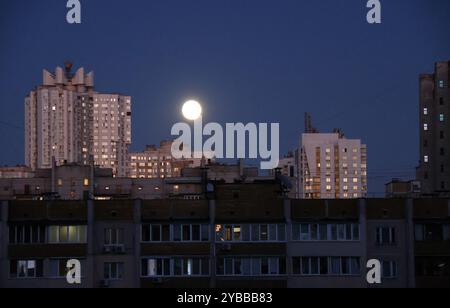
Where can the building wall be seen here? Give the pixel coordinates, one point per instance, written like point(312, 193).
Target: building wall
point(434, 168)
point(254, 205)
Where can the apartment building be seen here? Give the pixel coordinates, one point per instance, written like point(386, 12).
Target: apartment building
point(233, 235)
point(157, 162)
point(332, 167)
point(112, 132)
point(83, 182)
point(434, 167)
point(66, 120)
point(403, 189)
point(17, 172)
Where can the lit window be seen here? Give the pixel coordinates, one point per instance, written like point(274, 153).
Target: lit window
point(355, 180)
point(60, 182)
point(86, 182)
point(441, 117)
point(425, 111)
point(328, 187)
point(441, 84)
point(425, 127)
point(426, 159)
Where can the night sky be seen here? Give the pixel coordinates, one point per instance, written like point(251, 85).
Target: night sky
point(245, 60)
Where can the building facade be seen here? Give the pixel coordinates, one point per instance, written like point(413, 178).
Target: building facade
point(331, 167)
point(18, 172)
point(434, 168)
point(234, 235)
point(66, 120)
point(157, 162)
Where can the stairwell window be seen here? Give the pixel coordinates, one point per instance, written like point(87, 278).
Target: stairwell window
point(114, 271)
point(114, 237)
point(386, 236)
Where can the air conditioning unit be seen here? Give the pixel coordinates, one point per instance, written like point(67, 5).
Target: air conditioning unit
point(104, 283)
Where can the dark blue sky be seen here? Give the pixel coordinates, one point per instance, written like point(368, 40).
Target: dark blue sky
point(245, 60)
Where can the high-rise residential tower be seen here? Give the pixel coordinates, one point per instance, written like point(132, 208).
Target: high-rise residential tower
point(434, 169)
point(331, 166)
point(66, 120)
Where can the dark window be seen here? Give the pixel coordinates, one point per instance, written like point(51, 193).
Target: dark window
point(146, 233)
point(442, 151)
point(156, 233)
point(441, 101)
point(425, 143)
point(265, 266)
point(235, 195)
point(442, 185)
point(186, 232)
point(296, 263)
point(196, 232)
point(166, 233)
point(442, 168)
point(442, 134)
point(323, 266)
point(433, 266)
point(429, 232)
point(291, 172)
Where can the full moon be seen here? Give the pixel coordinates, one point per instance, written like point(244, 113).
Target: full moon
point(192, 110)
